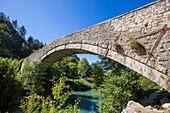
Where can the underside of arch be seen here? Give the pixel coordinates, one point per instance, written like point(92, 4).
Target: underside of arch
point(59, 52)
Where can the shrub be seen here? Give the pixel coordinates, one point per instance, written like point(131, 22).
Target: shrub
point(135, 45)
point(10, 84)
point(32, 78)
point(35, 103)
point(117, 90)
point(116, 46)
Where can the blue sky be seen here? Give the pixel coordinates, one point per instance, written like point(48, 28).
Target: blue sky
point(48, 20)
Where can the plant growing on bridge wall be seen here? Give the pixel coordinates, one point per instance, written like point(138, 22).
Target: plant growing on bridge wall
point(116, 46)
point(136, 46)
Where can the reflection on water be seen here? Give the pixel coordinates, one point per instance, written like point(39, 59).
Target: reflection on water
point(87, 103)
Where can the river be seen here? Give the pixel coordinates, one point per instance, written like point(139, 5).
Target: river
point(87, 103)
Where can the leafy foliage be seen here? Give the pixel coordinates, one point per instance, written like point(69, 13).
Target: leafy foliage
point(120, 85)
point(10, 86)
point(117, 90)
point(22, 31)
point(135, 45)
point(111, 65)
point(68, 67)
point(116, 46)
point(117, 85)
point(4, 37)
point(83, 68)
point(71, 67)
point(147, 85)
point(97, 73)
point(32, 78)
point(31, 104)
point(48, 105)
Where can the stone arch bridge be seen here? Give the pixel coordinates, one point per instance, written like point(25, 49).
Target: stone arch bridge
point(149, 25)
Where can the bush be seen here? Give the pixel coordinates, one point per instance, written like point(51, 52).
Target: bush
point(10, 84)
point(48, 105)
point(135, 45)
point(116, 46)
point(32, 78)
point(117, 90)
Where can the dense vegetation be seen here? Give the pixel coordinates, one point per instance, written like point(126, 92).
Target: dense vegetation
point(10, 85)
point(35, 103)
point(120, 85)
point(40, 90)
point(117, 83)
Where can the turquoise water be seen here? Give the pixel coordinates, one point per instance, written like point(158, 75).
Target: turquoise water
point(87, 103)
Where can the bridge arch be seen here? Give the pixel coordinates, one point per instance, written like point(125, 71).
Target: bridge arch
point(144, 24)
point(56, 53)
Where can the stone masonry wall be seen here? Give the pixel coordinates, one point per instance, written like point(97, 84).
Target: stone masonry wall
point(133, 24)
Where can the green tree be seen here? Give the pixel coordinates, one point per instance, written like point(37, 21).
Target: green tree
point(15, 24)
point(4, 39)
point(2, 15)
point(22, 31)
point(148, 86)
point(69, 66)
point(37, 44)
point(83, 67)
point(10, 85)
point(48, 105)
point(24, 50)
point(117, 90)
point(30, 42)
point(66, 67)
point(111, 65)
point(32, 78)
point(97, 73)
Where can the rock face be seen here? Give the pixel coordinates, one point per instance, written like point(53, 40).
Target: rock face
point(156, 102)
point(166, 106)
point(134, 107)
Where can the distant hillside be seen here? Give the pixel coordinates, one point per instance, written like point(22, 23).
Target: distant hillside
point(12, 40)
